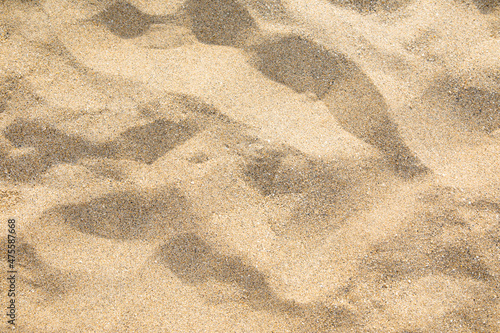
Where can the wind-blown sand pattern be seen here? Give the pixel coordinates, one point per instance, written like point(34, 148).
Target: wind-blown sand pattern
point(251, 165)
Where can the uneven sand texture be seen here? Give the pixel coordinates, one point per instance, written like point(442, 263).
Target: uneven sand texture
point(250, 165)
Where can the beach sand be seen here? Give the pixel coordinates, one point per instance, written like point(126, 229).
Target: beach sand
point(250, 166)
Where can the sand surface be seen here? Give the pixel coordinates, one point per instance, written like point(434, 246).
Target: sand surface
point(250, 165)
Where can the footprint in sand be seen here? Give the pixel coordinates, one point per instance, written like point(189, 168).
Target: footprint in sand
point(307, 67)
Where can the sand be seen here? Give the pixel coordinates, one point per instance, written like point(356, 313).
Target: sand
point(250, 166)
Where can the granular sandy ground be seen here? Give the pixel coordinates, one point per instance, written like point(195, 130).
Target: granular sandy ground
point(251, 166)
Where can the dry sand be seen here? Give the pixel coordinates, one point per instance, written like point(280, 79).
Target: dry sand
point(250, 165)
